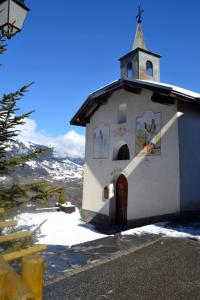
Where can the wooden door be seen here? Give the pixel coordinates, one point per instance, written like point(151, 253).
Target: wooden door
point(121, 200)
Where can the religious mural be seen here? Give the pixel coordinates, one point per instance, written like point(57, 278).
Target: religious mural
point(148, 135)
point(101, 141)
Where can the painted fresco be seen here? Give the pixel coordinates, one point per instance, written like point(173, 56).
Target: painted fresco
point(101, 141)
point(148, 135)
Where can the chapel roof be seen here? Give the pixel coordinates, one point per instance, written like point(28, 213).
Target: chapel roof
point(162, 93)
point(20, 2)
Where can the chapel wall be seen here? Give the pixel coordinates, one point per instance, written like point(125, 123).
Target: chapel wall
point(154, 179)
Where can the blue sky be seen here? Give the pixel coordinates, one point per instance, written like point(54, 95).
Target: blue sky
point(71, 48)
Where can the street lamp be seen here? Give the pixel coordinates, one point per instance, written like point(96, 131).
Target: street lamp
point(12, 16)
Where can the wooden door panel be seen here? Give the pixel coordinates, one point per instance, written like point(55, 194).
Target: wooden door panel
point(121, 200)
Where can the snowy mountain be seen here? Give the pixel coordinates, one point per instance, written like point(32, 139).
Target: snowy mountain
point(46, 167)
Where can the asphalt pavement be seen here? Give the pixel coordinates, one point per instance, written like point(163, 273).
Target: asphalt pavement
point(165, 268)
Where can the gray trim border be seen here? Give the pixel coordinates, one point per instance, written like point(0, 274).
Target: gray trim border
point(104, 222)
point(107, 225)
point(94, 218)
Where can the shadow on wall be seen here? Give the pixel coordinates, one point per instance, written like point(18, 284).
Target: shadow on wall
point(189, 143)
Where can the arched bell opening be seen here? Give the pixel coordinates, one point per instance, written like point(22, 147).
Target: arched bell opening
point(149, 68)
point(130, 70)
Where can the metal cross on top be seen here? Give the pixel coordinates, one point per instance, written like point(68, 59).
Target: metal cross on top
point(139, 16)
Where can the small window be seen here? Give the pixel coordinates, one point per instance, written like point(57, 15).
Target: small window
point(123, 153)
point(106, 193)
point(149, 68)
point(122, 113)
point(129, 70)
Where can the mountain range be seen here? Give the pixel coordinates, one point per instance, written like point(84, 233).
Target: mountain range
point(46, 167)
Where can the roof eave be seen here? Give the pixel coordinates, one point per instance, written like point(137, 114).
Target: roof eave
point(99, 97)
point(140, 49)
point(185, 96)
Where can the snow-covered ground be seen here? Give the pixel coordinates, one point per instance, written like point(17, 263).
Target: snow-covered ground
point(59, 228)
point(167, 229)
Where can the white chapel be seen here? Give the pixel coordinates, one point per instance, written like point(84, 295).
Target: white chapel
point(142, 145)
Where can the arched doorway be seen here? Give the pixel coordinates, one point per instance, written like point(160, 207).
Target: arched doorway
point(121, 200)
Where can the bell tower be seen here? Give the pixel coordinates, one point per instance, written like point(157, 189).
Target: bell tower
point(140, 63)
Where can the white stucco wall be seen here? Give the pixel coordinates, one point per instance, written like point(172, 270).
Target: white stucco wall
point(153, 181)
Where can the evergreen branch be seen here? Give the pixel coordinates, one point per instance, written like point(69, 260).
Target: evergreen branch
point(2, 44)
point(10, 119)
point(20, 160)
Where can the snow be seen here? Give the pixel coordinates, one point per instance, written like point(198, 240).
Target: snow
point(168, 230)
point(62, 170)
point(29, 205)
point(104, 86)
point(32, 164)
point(67, 204)
point(3, 178)
point(27, 144)
point(47, 166)
point(175, 88)
point(59, 228)
point(48, 208)
point(67, 161)
point(58, 170)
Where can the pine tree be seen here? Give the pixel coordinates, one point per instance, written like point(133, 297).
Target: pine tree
point(10, 118)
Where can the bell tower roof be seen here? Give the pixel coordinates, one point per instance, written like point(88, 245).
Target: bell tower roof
point(140, 63)
point(139, 41)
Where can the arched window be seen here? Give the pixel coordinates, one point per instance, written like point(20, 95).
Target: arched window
point(149, 68)
point(129, 70)
point(122, 153)
point(122, 113)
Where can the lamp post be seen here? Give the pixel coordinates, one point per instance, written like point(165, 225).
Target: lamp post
point(12, 16)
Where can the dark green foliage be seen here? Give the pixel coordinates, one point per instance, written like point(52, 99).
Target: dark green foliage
point(62, 198)
point(11, 197)
point(10, 194)
point(20, 160)
point(9, 119)
point(2, 44)
point(40, 192)
point(43, 190)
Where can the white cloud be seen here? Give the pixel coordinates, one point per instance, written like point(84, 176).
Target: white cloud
point(70, 144)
